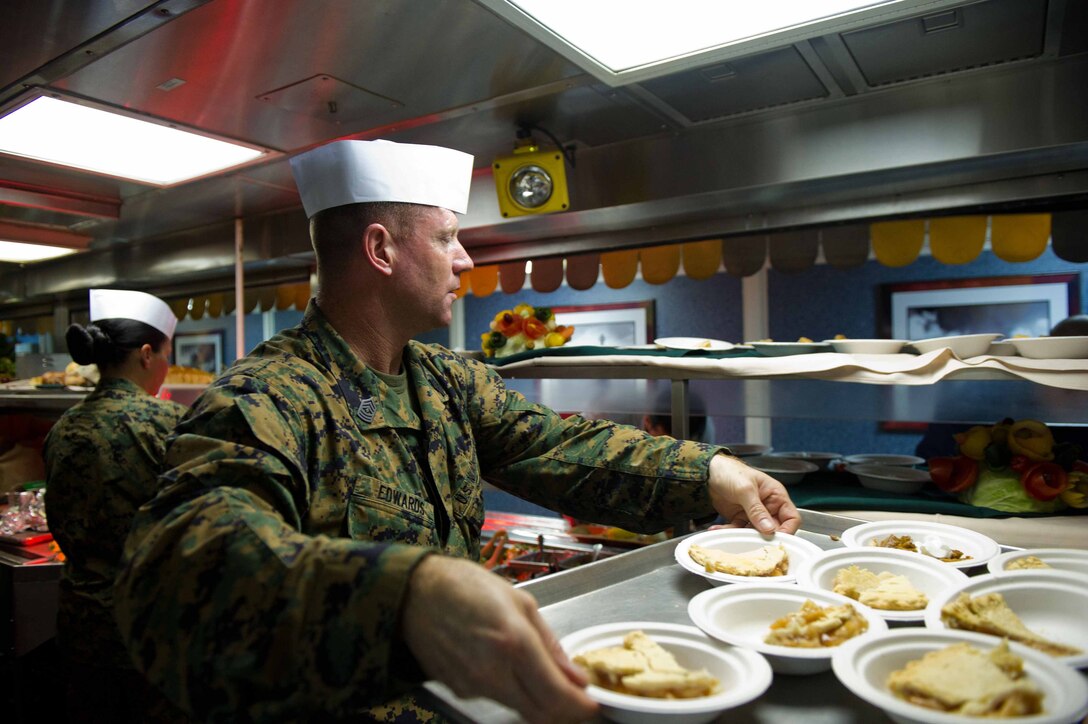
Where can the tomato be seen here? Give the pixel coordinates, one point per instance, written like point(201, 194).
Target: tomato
point(534, 328)
point(1044, 481)
point(509, 324)
point(953, 475)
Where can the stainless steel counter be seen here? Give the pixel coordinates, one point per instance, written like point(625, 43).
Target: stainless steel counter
point(648, 585)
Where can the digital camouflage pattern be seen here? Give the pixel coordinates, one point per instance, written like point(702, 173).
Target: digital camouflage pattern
point(102, 461)
point(265, 579)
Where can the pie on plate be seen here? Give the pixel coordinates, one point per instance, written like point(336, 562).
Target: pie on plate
point(770, 560)
point(815, 626)
point(884, 590)
point(990, 614)
point(961, 679)
point(641, 667)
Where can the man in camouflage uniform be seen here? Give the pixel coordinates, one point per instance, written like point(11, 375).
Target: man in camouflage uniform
point(309, 555)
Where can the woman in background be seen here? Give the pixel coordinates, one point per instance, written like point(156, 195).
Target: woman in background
point(102, 459)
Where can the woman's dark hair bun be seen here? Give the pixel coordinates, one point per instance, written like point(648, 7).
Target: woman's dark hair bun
point(81, 343)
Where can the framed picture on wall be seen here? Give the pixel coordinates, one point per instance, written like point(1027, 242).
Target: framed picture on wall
point(1028, 305)
point(202, 350)
point(623, 324)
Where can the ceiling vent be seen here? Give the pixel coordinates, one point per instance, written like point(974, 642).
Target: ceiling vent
point(331, 99)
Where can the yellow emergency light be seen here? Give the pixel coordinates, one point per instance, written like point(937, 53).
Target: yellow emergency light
point(531, 181)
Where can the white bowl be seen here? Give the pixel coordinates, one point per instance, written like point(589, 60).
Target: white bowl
point(883, 459)
point(821, 459)
point(867, 346)
point(863, 667)
point(1003, 348)
point(743, 614)
point(890, 478)
point(747, 449)
point(1051, 604)
point(744, 675)
point(1051, 347)
point(1068, 560)
point(739, 540)
point(979, 547)
point(927, 575)
point(701, 344)
point(785, 470)
point(963, 346)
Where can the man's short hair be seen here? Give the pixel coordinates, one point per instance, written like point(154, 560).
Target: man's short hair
point(333, 230)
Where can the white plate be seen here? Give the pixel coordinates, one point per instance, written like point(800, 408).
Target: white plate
point(739, 540)
point(963, 346)
point(820, 459)
point(882, 459)
point(1051, 604)
point(743, 614)
point(890, 478)
point(781, 349)
point(863, 667)
point(1051, 347)
point(867, 346)
point(981, 548)
point(693, 343)
point(787, 471)
point(928, 575)
point(1068, 560)
point(747, 449)
point(744, 675)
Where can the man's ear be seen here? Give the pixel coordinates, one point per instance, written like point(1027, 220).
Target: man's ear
point(145, 353)
point(379, 248)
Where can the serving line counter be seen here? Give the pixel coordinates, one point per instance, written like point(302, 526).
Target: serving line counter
point(649, 585)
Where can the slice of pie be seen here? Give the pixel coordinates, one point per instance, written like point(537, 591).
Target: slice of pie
point(643, 668)
point(814, 627)
point(990, 614)
point(960, 679)
point(1026, 563)
point(884, 590)
point(766, 561)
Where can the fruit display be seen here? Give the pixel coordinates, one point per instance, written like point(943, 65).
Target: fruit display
point(523, 328)
point(1014, 466)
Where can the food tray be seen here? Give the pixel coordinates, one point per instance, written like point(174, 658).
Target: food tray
point(648, 585)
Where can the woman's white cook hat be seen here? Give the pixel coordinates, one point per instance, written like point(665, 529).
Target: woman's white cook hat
point(140, 306)
point(354, 172)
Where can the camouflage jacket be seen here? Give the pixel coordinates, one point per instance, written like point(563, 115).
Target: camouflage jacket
point(102, 461)
point(265, 580)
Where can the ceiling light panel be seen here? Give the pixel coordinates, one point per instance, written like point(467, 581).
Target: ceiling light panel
point(19, 253)
point(625, 41)
point(78, 135)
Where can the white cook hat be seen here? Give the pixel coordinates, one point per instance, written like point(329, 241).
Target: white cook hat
point(354, 172)
point(140, 306)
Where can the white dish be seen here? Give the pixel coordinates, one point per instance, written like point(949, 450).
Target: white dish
point(693, 343)
point(863, 667)
point(744, 675)
point(890, 478)
point(785, 470)
point(882, 459)
point(927, 575)
point(740, 540)
point(980, 548)
point(963, 346)
point(821, 459)
point(1067, 560)
point(1051, 347)
point(1004, 348)
point(867, 346)
point(1051, 604)
point(747, 449)
point(742, 615)
point(782, 349)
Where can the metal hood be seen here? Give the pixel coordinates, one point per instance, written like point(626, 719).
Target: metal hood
point(975, 106)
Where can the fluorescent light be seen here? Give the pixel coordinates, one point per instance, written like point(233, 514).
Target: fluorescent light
point(70, 134)
point(625, 41)
point(14, 251)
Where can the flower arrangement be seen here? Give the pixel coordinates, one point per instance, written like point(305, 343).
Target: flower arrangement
point(1014, 466)
point(523, 328)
